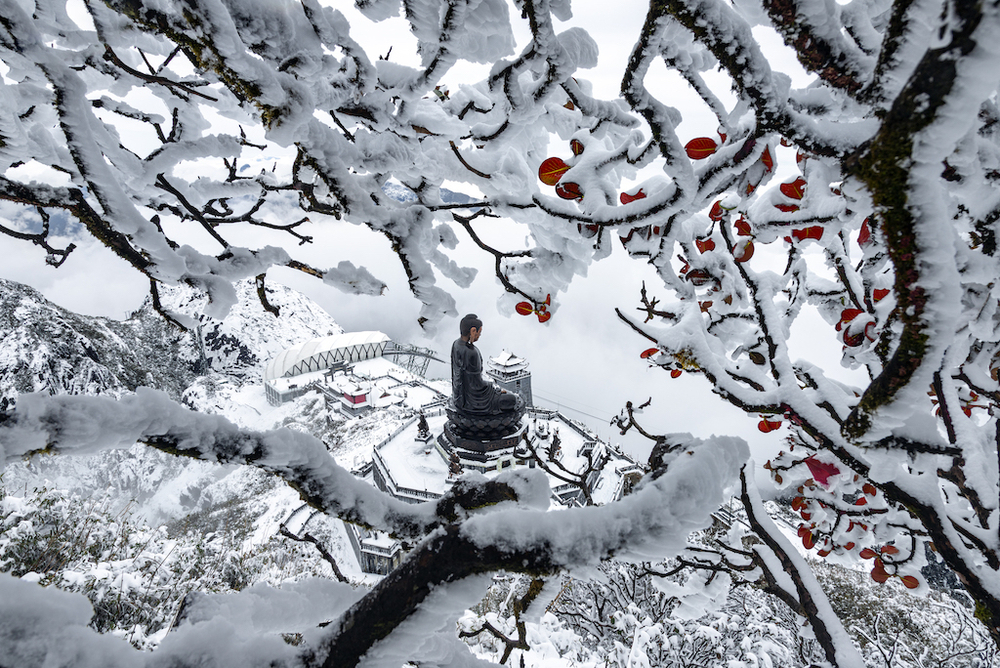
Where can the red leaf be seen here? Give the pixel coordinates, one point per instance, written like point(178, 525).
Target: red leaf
point(704, 245)
point(743, 227)
point(698, 277)
point(865, 235)
point(807, 541)
point(700, 148)
point(880, 293)
point(648, 352)
point(642, 232)
point(870, 331)
point(853, 340)
point(543, 316)
point(867, 553)
point(821, 471)
point(795, 189)
point(675, 373)
point(847, 315)
point(766, 159)
point(576, 146)
point(910, 582)
point(704, 306)
point(798, 503)
point(787, 208)
point(766, 425)
point(861, 501)
point(717, 212)
point(878, 573)
point(587, 231)
point(743, 251)
point(823, 553)
point(551, 170)
point(869, 489)
point(889, 549)
point(569, 190)
point(849, 546)
point(811, 232)
point(625, 198)
point(524, 308)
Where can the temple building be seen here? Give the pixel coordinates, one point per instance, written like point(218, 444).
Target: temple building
point(511, 373)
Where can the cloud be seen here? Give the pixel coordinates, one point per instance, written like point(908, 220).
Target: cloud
point(92, 281)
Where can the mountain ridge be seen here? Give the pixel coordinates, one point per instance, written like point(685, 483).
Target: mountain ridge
point(47, 348)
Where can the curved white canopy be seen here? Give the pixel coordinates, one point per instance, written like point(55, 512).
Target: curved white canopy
point(324, 352)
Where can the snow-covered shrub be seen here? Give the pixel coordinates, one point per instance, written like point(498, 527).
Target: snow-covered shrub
point(126, 569)
point(136, 576)
point(628, 616)
point(895, 629)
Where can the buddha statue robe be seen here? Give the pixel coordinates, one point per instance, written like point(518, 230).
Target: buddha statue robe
point(472, 393)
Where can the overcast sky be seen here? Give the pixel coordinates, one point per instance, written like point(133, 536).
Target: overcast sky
point(583, 359)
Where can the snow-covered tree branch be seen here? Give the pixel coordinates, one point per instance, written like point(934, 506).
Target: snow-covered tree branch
point(143, 119)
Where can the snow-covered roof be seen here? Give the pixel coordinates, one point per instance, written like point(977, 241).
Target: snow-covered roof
point(324, 352)
point(354, 388)
point(508, 361)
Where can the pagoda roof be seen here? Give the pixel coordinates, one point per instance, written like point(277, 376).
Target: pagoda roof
point(508, 361)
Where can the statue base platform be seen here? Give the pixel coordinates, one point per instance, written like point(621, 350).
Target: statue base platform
point(484, 427)
point(481, 455)
point(506, 442)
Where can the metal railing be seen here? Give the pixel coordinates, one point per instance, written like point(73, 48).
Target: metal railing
point(396, 433)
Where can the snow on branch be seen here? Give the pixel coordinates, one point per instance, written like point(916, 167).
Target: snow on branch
point(867, 198)
point(83, 425)
point(654, 520)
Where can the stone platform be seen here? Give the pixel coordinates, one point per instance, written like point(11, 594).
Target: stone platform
point(481, 455)
point(485, 427)
point(508, 442)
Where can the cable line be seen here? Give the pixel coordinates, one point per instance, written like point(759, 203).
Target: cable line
point(562, 404)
